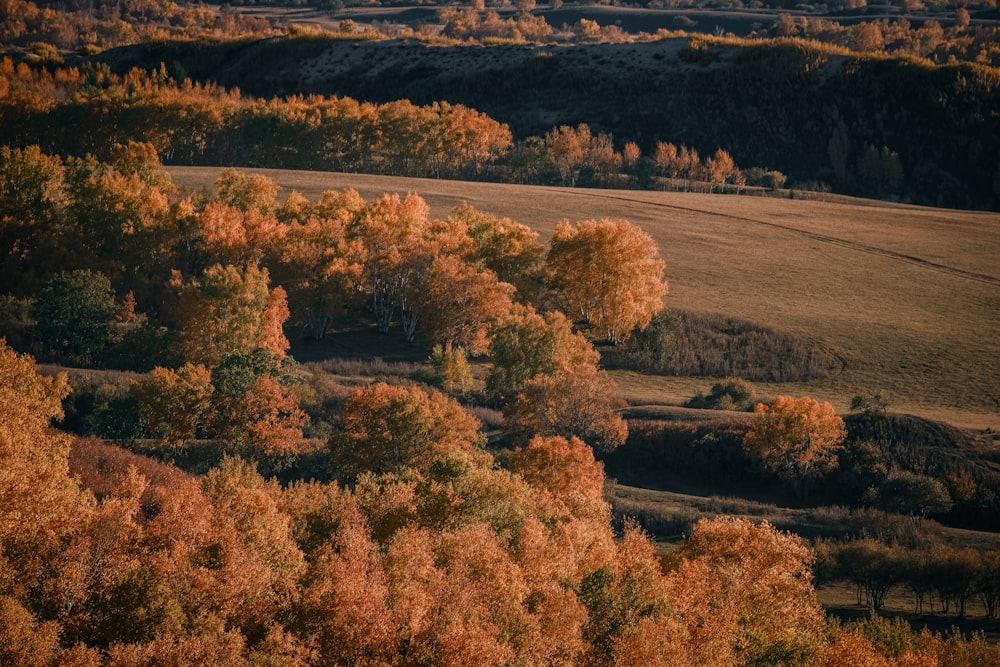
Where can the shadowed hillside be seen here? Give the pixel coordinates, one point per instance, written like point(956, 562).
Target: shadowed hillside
point(874, 125)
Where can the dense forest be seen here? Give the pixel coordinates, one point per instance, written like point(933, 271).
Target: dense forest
point(394, 527)
point(176, 487)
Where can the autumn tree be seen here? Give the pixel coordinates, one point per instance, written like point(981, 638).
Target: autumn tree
point(607, 273)
point(247, 192)
point(566, 148)
point(175, 405)
point(528, 344)
point(255, 405)
point(577, 404)
point(41, 502)
point(317, 265)
point(228, 311)
point(124, 219)
point(451, 368)
point(509, 249)
point(460, 304)
point(564, 471)
point(797, 439)
point(32, 221)
point(230, 236)
point(390, 232)
point(721, 168)
point(745, 594)
point(385, 428)
point(666, 159)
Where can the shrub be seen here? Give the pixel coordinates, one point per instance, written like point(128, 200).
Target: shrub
point(704, 344)
point(730, 394)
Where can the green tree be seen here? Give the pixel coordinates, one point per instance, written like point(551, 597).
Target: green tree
point(73, 315)
point(913, 494)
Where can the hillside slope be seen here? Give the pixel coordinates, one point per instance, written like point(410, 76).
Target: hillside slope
point(907, 297)
point(887, 127)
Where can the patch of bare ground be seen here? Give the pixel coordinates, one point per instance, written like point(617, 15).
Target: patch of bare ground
point(908, 297)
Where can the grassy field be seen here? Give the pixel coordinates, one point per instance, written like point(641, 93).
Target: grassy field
point(908, 297)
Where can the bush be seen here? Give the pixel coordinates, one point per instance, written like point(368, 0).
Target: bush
point(913, 494)
point(704, 344)
point(730, 394)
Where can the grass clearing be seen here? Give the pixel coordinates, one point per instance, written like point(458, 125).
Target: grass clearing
point(908, 297)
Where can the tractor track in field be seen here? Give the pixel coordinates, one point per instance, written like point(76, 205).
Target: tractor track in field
point(824, 238)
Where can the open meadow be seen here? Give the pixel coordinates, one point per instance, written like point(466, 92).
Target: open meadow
point(907, 297)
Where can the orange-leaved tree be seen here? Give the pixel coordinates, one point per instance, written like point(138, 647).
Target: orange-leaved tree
point(509, 249)
point(460, 303)
point(391, 235)
point(319, 268)
point(230, 311)
point(745, 595)
point(564, 471)
point(607, 273)
point(569, 404)
point(174, 405)
point(527, 344)
point(385, 428)
point(40, 502)
point(797, 439)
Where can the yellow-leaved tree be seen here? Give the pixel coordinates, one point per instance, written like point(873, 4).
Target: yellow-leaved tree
point(796, 439)
point(607, 273)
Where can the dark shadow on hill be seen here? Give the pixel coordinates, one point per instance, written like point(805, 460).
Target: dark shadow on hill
point(363, 342)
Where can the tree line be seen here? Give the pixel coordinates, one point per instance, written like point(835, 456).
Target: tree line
point(106, 265)
point(194, 124)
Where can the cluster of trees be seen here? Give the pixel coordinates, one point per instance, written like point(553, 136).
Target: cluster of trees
point(573, 156)
point(206, 125)
point(106, 265)
point(95, 26)
point(433, 553)
point(940, 44)
point(939, 577)
point(471, 23)
point(194, 124)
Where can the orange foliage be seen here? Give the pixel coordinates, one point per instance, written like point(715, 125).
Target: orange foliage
point(174, 405)
point(565, 471)
point(266, 419)
point(461, 304)
point(229, 311)
point(742, 590)
point(581, 405)
point(527, 344)
point(608, 273)
point(40, 502)
point(228, 235)
point(798, 439)
point(386, 428)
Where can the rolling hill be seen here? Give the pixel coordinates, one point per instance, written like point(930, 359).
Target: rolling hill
point(907, 297)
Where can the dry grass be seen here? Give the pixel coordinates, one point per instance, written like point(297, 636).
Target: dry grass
point(908, 297)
